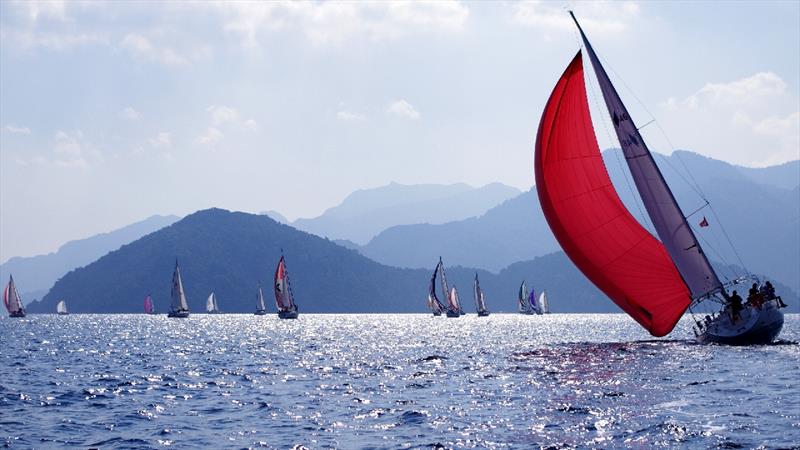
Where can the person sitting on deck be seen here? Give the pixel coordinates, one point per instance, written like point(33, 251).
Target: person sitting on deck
point(736, 306)
point(768, 293)
point(754, 297)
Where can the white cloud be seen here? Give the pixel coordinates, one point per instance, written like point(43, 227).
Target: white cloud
point(11, 128)
point(753, 90)
point(595, 17)
point(336, 22)
point(751, 121)
point(51, 9)
point(70, 150)
point(223, 114)
point(349, 116)
point(130, 114)
point(161, 140)
point(68, 143)
point(403, 109)
point(250, 125)
point(141, 47)
point(212, 136)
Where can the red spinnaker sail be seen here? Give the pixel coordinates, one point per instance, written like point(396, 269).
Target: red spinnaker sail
point(280, 285)
point(590, 221)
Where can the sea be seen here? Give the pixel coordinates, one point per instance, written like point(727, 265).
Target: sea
point(389, 381)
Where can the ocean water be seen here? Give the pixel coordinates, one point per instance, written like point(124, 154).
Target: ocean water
point(389, 381)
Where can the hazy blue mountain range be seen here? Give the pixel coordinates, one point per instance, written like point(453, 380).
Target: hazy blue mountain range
point(762, 219)
point(36, 274)
point(365, 213)
point(231, 252)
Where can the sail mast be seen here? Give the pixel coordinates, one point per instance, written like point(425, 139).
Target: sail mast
point(667, 217)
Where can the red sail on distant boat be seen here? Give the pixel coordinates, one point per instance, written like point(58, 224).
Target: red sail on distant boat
point(704, 222)
point(284, 299)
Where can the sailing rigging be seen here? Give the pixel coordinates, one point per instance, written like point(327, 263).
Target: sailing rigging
point(261, 307)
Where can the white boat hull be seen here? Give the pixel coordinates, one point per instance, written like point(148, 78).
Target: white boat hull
point(755, 326)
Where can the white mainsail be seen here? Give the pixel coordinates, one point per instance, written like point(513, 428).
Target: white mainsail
point(12, 299)
point(61, 307)
point(211, 303)
point(261, 305)
point(524, 306)
point(543, 303)
point(178, 302)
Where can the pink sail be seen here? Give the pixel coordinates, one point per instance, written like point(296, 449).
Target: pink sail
point(148, 305)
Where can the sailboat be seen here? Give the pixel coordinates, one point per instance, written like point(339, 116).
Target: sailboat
point(178, 306)
point(61, 308)
point(543, 304)
point(533, 305)
point(284, 299)
point(261, 308)
point(434, 305)
point(148, 305)
point(480, 301)
point(211, 304)
point(524, 305)
point(12, 299)
point(654, 281)
point(453, 305)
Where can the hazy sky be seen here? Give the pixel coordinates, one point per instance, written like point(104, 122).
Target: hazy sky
point(111, 112)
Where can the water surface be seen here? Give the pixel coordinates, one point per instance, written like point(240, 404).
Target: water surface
point(389, 381)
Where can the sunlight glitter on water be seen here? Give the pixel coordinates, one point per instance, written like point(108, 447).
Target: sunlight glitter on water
point(388, 381)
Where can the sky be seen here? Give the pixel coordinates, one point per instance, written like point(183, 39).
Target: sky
point(112, 112)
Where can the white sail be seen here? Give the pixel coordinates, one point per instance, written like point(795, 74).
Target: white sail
point(524, 306)
point(454, 304)
point(261, 305)
point(211, 303)
point(178, 302)
point(61, 307)
point(543, 303)
point(12, 299)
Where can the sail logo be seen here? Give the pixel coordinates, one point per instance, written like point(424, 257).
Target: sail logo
point(619, 118)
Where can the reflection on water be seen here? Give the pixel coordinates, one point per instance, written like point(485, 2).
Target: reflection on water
point(388, 381)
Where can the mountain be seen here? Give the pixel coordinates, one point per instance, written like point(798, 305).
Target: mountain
point(365, 213)
point(762, 220)
point(35, 275)
point(230, 252)
point(276, 216)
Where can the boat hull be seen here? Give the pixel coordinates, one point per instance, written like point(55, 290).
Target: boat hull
point(19, 313)
point(178, 314)
point(757, 326)
point(483, 313)
point(453, 314)
point(261, 312)
point(63, 314)
point(288, 314)
point(437, 314)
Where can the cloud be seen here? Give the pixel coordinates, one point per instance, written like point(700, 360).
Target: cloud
point(250, 125)
point(333, 23)
point(223, 114)
point(752, 90)
point(403, 109)
point(68, 143)
point(161, 140)
point(752, 121)
point(70, 151)
point(141, 47)
point(349, 116)
point(212, 136)
point(11, 128)
point(130, 114)
point(595, 17)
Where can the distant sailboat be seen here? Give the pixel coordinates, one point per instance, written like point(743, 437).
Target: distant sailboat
point(148, 305)
point(61, 308)
point(12, 300)
point(524, 304)
point(434, 305)
point(480, 301)
point(211, 304)
point(534, 306)
point(543, 304)
point(453, 305)
point(178, 306)
point(284, 299)
point(654, 281)
point(261, 308)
